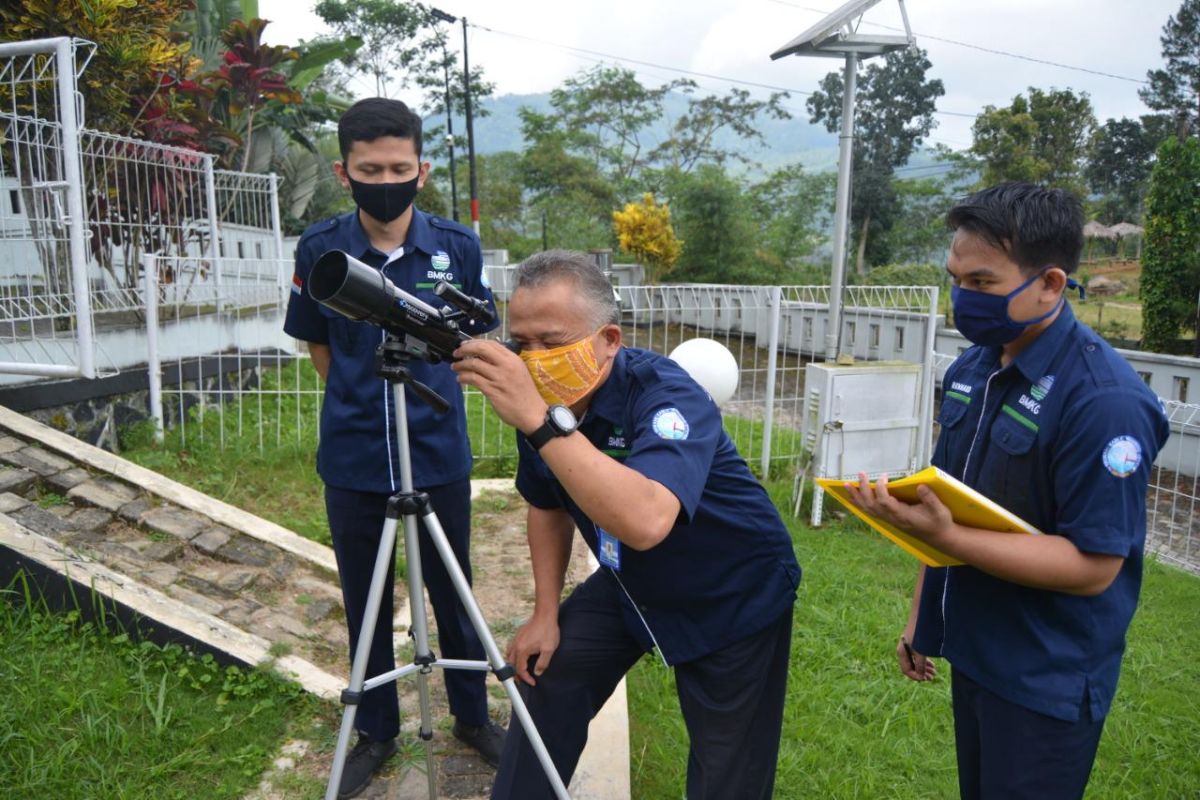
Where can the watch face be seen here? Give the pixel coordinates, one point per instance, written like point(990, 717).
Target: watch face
point(562, 418)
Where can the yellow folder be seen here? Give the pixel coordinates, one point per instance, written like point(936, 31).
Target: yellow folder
point(967, 506)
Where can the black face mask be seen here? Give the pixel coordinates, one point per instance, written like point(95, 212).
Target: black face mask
point(383, 201)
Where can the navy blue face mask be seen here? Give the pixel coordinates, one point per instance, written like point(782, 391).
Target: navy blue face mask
point(983, 318)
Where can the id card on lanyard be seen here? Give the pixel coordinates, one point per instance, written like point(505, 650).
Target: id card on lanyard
point(609, 548)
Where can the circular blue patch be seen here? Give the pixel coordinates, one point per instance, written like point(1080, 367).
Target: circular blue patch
point(441, 260)
point(670, 424)
point(1122, 456)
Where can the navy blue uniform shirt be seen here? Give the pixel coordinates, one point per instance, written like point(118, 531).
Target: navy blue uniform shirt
point(1064, 437)
point(727, 568)
point(358, 448)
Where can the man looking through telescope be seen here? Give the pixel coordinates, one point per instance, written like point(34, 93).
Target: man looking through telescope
point(695, 560)
point(380, 142)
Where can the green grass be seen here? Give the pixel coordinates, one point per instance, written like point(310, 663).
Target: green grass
point(88, 712)
point(854, 727)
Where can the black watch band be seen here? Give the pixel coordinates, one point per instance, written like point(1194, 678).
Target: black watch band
point(559, 422)
point(542, 435)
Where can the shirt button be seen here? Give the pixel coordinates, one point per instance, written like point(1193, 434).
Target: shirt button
point(1090, 348)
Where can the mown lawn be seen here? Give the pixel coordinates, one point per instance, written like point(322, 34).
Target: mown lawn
point(855, 728)
point(90, 713)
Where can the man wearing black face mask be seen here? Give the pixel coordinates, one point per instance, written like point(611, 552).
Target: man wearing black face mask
point(1045, 418)
point(357, 457)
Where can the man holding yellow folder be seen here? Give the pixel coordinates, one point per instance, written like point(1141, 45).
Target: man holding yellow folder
point(1043, 417)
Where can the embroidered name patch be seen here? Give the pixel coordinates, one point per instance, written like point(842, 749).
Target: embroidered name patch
point(1122, 456)
point(670, 424)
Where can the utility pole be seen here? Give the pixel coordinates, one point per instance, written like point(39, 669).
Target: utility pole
point(450, 135)
point(437, 13)
point(470, 133)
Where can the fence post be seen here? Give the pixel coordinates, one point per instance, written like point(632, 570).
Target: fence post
point(73, 177)
point(153, 362)
point(281, 275)
point(925, 428)
point(214, 230)
point(775, 303)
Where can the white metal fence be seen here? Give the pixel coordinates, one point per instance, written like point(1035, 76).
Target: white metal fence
point(80, 208)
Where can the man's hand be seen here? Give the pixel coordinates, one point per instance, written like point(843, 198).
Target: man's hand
point(535, 638)
point(504, 380)
point(928, 520)
point(915, 666)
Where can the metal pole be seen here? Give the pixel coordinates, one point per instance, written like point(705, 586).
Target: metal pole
point(73, 176)
point(153, 362)
point(841, 217)
point(925, 429)
point(214, 230)
point(775, 303)
point(281, 277)
point(470, 133)
point(450, 136)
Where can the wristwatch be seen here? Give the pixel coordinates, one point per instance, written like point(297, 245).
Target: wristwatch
point(559, 422)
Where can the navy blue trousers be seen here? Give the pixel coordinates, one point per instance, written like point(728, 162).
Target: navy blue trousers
point(732, 702)
point(1009, 752)
point(356, 525)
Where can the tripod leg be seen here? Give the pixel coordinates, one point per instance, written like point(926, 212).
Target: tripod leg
point(501, 669)
point(353, 693)
point(423, 656)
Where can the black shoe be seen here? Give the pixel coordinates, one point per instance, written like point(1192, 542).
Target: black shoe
point(361, 765)
point(486, 739)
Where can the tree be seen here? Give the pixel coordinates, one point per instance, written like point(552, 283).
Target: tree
point(644, 231)
point(439, 62)
point(1041, 139)
point(390, 35)
point(693, 136)
point(893, 114)
point(1175, 89)
point(792, 210)
point(1171, 252)
point(567, 192)
point(712, 216)
point(605, 112)
point(1120, 157)
point(920, 235)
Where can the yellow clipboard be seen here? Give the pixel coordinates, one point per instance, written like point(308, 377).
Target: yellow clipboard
point(967, 506)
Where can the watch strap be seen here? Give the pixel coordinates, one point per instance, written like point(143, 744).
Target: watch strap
point(542, 435)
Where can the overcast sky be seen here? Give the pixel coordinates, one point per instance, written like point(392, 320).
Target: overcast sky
point(530, 46)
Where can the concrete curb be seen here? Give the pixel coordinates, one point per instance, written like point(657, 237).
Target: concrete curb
point(164, 610)
point(216, 510)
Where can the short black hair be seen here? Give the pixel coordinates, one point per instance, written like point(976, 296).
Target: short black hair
point(1035, 226)
point(369, 119)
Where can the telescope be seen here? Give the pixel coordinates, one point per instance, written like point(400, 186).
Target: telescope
point(360, 292)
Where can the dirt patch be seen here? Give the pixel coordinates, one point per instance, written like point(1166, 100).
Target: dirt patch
point(503, 587)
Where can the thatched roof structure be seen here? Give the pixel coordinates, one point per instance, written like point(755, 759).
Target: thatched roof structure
point(1094, 230)
point(1126, 229)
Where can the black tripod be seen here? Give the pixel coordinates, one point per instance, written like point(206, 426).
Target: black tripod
point(390, 361)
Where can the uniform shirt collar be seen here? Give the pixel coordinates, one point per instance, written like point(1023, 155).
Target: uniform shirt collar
point(420, 236)
point(609, 400)
point(1035, 359)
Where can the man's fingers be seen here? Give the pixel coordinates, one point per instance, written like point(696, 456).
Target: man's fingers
point(542, 662)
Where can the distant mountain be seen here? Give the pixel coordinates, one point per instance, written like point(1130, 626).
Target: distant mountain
point(786, 141)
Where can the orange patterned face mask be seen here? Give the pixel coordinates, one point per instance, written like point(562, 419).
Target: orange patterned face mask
point(564, 374)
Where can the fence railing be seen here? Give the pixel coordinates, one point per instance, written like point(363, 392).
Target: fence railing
point(80, 208)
